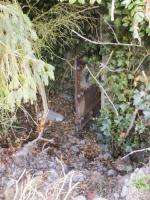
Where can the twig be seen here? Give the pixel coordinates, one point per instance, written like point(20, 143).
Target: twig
point(105, 65)
point(64, 59)
point(136, 151)
point(70, 190)
point(49, 11)
point(17, 181)
point(138, 67)
point(45, 139)
point(116, 38)
point(61, 188)
point(103, 91)
point(112, 10)
point(132, 122)
point(105, 43)
point(62, 166)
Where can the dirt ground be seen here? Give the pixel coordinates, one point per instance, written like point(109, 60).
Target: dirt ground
point(70, 152)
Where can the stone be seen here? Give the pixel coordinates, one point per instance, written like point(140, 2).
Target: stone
point(39, 173)
point(99, 198)
point(2, 168)
point(67, 97)
point(104, 147)
point(80, 197)
point(79, 178)
point(54, 116)
point(116, 196)
point(2, 149)
point(123, 166)
point(104, 169)
point(107, 156)
point(9, 193)
point(124, 191)
point(82, 142)
point(111, 172)
point(99, 167)
point(75, 148)
point(51, 165)
point(52, 175)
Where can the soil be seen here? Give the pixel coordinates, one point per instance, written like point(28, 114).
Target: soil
point(79, 152)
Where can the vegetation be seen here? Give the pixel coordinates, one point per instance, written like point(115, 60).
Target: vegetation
point(114, 37)
point(21, 72)
point(142, 183)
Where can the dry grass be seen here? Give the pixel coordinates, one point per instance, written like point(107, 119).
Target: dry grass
point(29, 187)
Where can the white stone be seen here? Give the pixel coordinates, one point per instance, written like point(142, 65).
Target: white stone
point(116, 195)
point(54, 116)
point(99, 198)
point(80, 197)
point(124, 191)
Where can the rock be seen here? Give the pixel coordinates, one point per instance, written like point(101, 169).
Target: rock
point(107, 156)
point(9, 193)
point(124, 191)
point(99, 198)
point(79, 178)
point(52, 175)
point(4, 181)
point(123, 166)
point(2, 195)
point(104, 169)
point(39, 173)
point(10, 183)
point(2, 149)
point(116, 196)
point(137, 157)
point(51, 164)
point(82, 142)
point(111, 172)
point(80, 197)
point(2, 168)
point(54, 116)
point(104, 147)
point(67, 97)
point(99, 167)
point(24, 155)
point(75, 148)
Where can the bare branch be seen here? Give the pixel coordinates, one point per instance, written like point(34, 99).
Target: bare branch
point(105, 43)
point(132, 122)
point(140, 64)
point(105, 65)
point(136, 151)
point(101, 87)
point(112, 10)
point(116, 38)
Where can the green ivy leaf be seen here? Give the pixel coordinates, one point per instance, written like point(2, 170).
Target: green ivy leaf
point(72, 1)
point(92, 2)
point(81, 1)
point(99, 1)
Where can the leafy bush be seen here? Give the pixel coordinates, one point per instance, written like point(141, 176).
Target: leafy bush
point(126, 112)
point(21, 73)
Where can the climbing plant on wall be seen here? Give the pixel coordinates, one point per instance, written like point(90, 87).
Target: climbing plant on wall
point(125, 116)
